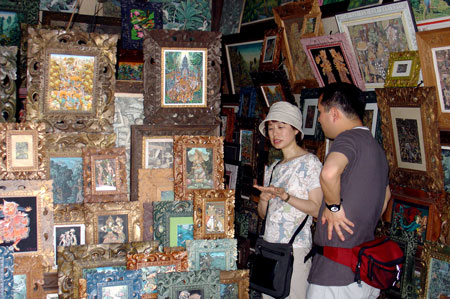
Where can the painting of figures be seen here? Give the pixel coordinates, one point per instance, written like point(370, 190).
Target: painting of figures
point(112, 229)
point(18, 223)
point(199, 168)
point(183, 78)
point(105, 175)
point(70, 83)
point(229, 290)
point(212, 260)
point(272, 93)
point(158, 153)
point(9, 28)
point(215, 217)
point(67, 176)
point(332, 65)
point(120, 291)
point(68, 235)
point(409, 142)
point(410, 217)
point(441, 59)
point(58, 5)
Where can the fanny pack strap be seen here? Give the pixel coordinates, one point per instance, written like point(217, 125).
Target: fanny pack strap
point(339, 255)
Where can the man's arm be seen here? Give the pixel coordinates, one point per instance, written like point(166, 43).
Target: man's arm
point(330, 180)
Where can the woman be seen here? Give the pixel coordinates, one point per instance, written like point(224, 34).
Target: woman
point(294, 190)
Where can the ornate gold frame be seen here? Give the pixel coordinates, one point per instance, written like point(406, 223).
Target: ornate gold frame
point(201, 199)
point(73, 259)
point(180, 145)
point(431, 250)
point(35, 172)
point(42, 190)
point(90, 156)
point(241, 278)
point(32, 267)
point(132, 209)
point(423, 98)
point(152, 182)
point(101, 46)
point(405, 81)
point(73, 143)
point(8, 84)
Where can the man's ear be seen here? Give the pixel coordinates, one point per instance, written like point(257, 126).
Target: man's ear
point(334, 113)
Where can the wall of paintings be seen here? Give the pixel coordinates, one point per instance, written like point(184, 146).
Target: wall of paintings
point(129, 144)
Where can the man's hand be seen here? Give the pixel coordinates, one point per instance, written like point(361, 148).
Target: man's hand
point(337, 221)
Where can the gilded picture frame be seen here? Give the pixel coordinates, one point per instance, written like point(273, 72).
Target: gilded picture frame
point(156, 185)
point(22, 147)
point(271, 50)
point(104, 174)
point(73, 259)
point(89, 104)
point(156, 109)
point(122, 283)
point(8, 89)
point(113, 222)
point(139, 135)
point(173, 222)
point(409, 119)
point(205, 284)
point(198, 164)
point(220, 254)
point(36, 199)
point(235, 282)
point(434, 255)
point(7, 267)
point(31, 273)
point(403, 69)
point(397, 36)
point(431, 43)
point(213, 214)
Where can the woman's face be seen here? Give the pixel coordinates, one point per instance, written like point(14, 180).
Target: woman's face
point(281, 134)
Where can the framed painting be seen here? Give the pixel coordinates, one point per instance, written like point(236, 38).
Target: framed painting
point(374, 33)
point(231, 17)
point(156, 185)
point(220, 254)
point(273, 86)
point(71, 80)
point(8, 86)
point(411, 137)
point(183, 15)
point(310, 113)
point(14, 13)
point(122, 284)
point(153, 263)
point(332, 59)
point(173, 222)
point(181, 77)
point(256, 11)
point(74, 260)
point(446, 166)
point(141, 146)
point(60, 6)
point(403, 69)
point(247, 143)
point(68, 235)
point(436, 264)
point(7, 266)
point(130, 71)
point(234, 284)
point(247, 102)
point(213, 214)
point(298, 20)
point(113, 222)
point(137, 17)
point(28, 277)
point(357, 4)
point(430, 15)
point(271, 50)
point(158, 152)
point(231, 173)
point(198, 164)
point(104, 174)
point(27, 207)
point(242, 59)
point(191, 284)
point(23, 146)
point(434, 50)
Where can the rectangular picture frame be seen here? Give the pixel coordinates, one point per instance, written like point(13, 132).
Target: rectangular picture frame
point(435, 259)
point(271, 50)
point(235, 284)
point(220, 254)
point(124, 283)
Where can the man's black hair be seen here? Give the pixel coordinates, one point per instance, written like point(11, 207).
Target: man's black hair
point(346, 97)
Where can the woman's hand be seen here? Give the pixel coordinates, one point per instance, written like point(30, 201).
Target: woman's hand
point(271, 192)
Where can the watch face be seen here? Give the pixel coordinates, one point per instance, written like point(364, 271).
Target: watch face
point(334, 209)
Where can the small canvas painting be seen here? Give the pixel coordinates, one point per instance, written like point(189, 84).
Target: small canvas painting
point(215, 217)
point(199, 168)
point(20, 286)
point(105, 175)
point(112, 229)
point(158, 153)
point(230, 290)
point(118, 291)
point(212, 260)
point(410, 217)
point(184, 232)
point(67, 176)
point(9, 28)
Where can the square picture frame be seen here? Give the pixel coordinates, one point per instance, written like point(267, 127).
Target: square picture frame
point(435, 258)
point(273, 86)
point(125, 284)
point(403, 69)
point(173, 222)
point(156, 185)
point(432, 43)
point(139, 133)
point(213, 214)
point(198, 164)
point(407, 110)
point(205, 48)
point(220, 254)
point(7, 266)
point(23, 146)
point(332, 59)
point(271, 50)
point(393, 25)
point(86, 106)
point(104, 174)
point(28, 275)
point(235, 284)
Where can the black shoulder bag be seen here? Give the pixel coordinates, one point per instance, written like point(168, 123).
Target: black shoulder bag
point(271, 265)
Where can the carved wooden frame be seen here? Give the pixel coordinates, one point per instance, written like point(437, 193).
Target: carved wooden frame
point(407, 80)
point(180, 146)
point(276, 56)
point(196, 248)
point(423, 98)
point(152, 182)
point(7, 265)
point(201, 200)
point(239, 277)
point(42, 190)
point(90, 156)
point(8, 78)
point(431, 250)
point(140, 132)
point(426, 42)
point(100, 117)
point(33, 268)
point(95, 282)
point(154, 42)
point(36, 133)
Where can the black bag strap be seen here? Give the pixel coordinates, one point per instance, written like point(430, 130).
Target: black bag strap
point(298, 230)
point(263, 224)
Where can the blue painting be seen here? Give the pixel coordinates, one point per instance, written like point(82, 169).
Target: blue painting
point(229, 291)
point(212, 260)
point(9, 28)
point(111, 269)
point(167, 195)
point(409, 217)
point(67, 176)
point(184, 232)
point(20, 286)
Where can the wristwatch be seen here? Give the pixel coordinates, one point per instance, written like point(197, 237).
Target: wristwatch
point(335, 207)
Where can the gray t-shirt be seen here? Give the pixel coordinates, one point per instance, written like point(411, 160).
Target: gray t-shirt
point(363, 190)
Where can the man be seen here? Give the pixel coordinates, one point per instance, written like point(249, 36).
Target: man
point(354, 181)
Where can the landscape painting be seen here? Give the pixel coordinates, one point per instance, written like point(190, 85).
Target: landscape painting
point(9, 28)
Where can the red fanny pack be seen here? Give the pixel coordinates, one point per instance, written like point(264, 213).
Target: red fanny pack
point(378, 263)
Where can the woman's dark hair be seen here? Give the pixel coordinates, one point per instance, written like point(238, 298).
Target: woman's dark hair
point(298, 137)
point(346, 97)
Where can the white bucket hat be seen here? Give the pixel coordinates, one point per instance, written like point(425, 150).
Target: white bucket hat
point(283, 112)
